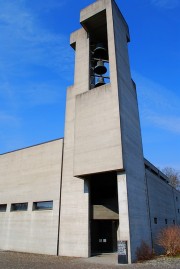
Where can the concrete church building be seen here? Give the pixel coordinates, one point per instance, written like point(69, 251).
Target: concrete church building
point(80, 195)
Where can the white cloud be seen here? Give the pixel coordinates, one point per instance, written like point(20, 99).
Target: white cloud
point(167, 4)
point(8, 119)
point(41, 94)
point(27, 47)
point(158, 105)
point(169, 123)
point(32, 94)
point(48, 5)
point(25, 42)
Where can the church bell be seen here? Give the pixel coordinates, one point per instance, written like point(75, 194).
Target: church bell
point(100, 52)
point(100, 69)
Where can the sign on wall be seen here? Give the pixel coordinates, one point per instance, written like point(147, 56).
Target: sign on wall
point(122, 252)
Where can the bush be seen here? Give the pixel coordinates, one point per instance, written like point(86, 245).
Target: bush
point(144, 252)
point(169, 239)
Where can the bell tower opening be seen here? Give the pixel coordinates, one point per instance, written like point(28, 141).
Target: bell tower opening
point(96, 27)
point(99, 66)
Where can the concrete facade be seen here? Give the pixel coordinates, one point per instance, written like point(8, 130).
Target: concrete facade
point(104, 120)
point(26, 176)
point(103, 191)
point(163, 199)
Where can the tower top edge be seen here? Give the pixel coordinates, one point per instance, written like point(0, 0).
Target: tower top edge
point(99, 6)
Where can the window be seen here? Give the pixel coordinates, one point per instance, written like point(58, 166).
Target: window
point(155, 220)
point(3, 207)
point(178, 210)
point(176, 198)
point(173, 221)
point(19, 207)
point(45, 205)
point(166, 221)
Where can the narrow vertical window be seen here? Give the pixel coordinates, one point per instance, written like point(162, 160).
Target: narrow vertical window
point(155, 220)
point(166, 221)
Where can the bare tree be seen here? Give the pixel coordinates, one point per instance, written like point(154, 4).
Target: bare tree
point(169, 239)
point(173, 175)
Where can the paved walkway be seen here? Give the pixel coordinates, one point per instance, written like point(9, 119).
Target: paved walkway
point(108, 259)
point(15, 260)
point(104, 259)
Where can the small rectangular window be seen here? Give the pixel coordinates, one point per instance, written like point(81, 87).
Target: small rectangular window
point(3, 207)
point(19, 207)
point(44, 205)
point(178, 210)
point(155, 220)
point(173, 221)
point(176, 198)
point(166, 221)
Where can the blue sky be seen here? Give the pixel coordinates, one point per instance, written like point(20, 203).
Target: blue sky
point(36, 67)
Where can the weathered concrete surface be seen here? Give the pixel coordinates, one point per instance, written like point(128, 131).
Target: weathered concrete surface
point(92, 141)
point(102, 133)
point(97, 135)
point(164, 202)
point(101, 212)
point(30, 175)
point(124, 229)
point(74, 220)
point(139, 224)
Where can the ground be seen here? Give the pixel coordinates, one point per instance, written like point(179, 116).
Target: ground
point(11, 260)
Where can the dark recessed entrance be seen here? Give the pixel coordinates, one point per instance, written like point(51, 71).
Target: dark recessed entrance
point(104, 236)
point(104, 212)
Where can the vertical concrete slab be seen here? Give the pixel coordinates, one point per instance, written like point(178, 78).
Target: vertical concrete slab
point(74, 218)
point(131, 139)
point(97, 137)
point(124, 229)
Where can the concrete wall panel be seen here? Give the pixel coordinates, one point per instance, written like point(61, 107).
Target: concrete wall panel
point(164, 202)
point(139, 225)
point(30, 175)
point(97, 136)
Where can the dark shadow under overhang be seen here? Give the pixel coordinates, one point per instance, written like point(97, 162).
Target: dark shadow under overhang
point(96, 26)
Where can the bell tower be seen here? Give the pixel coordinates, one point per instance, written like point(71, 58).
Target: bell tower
point(103, 195)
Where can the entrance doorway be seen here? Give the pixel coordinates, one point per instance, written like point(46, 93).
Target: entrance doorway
point(104, 213)
point(103, 236)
